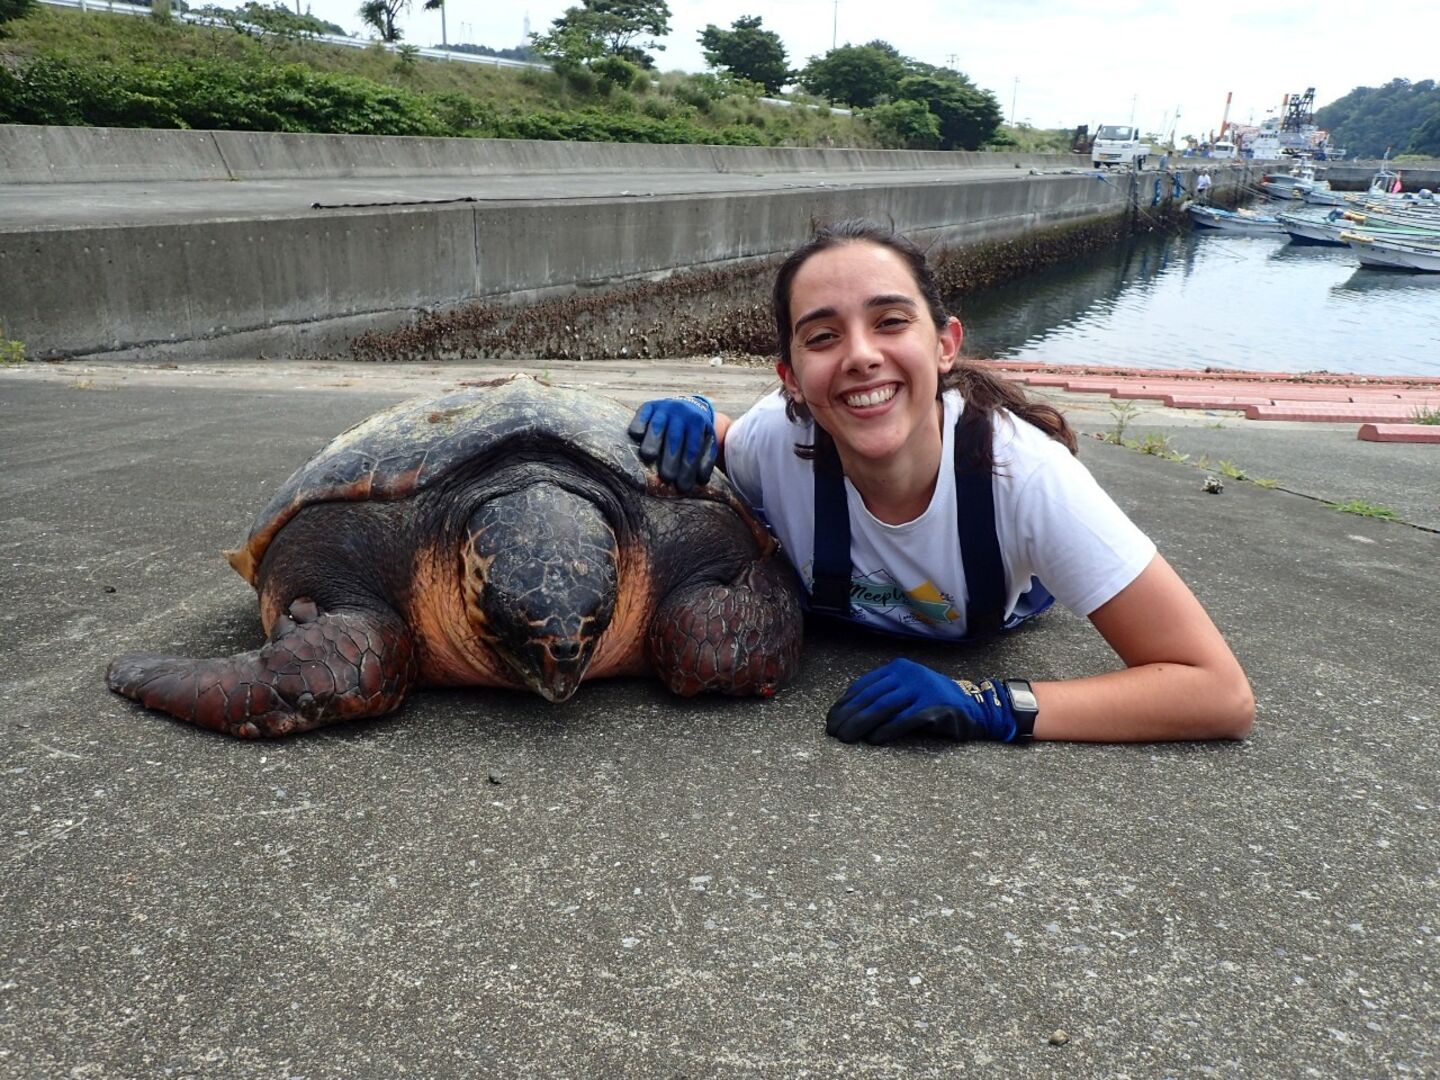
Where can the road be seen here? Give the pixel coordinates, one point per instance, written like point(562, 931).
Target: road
point(631, 885)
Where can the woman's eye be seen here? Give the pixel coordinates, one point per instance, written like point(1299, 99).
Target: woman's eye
point(816, 340)
point(894, 320)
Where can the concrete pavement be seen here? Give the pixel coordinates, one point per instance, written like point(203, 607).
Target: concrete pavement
point(635, 886)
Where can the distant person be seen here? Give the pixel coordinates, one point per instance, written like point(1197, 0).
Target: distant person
point(1202, 187)
point(920, 496)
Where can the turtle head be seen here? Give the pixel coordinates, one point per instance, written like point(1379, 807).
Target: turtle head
point(540, 583)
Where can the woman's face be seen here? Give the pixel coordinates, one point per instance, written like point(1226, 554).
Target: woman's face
point(865, 355)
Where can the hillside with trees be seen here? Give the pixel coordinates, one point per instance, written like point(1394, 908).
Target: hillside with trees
point(262, 67)
point(1400, 117)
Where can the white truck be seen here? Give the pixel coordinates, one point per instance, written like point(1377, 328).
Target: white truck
point(1116, 144)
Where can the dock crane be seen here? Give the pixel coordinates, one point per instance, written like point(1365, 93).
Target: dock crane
point(1225, 119)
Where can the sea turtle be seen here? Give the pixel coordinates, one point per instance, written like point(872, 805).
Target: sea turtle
point(505, 535)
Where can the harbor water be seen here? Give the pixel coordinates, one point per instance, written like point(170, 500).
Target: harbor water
point(1203, 299)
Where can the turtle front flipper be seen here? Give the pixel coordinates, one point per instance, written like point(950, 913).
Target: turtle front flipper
point(741, 638)
point(329, 668)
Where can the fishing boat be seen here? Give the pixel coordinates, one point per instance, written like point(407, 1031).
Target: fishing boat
point(1374, 216)
point(1308, 229)
point(1388, 253)
point(1293, 185)
point(1247, 222)
point(1313, 229)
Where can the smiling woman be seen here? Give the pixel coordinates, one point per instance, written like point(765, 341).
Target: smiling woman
point(919, 496)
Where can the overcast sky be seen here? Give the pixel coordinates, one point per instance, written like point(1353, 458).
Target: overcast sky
point(1076, 61)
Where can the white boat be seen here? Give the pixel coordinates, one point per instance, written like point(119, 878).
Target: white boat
point(1315, 228)
point(1391, 254)
point(1247, 222)
point(1305, 229)
point(1386, 217)
point(1293, 185)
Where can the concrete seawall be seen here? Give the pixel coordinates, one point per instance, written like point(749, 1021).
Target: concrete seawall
point(1356, 175)
point(238, 282)
point(32, 154)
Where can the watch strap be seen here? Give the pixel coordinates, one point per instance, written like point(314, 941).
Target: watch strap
point(1024, 707)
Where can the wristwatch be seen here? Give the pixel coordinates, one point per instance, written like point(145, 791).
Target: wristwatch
point(1024, 706)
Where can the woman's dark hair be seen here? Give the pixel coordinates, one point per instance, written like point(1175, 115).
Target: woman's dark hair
point(980, 388)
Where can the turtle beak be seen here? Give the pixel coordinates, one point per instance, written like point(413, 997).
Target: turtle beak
point(553, 669)
point(562, 664)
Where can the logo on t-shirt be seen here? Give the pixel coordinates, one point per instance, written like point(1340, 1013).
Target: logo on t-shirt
point(879, 593)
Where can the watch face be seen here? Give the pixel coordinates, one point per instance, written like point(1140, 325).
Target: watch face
point(1022, 697)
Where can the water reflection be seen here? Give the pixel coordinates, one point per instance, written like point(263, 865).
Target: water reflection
point(1421, 288)
point(1216, 300)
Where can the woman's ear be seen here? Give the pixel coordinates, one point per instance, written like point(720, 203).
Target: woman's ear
point(951, 337)
point(787, 376)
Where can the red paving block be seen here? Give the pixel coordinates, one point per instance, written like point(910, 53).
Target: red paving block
point(1212, 401)
point(1407, 433)
point(1358, 413)
point(1044, 380)
point(1056, 374)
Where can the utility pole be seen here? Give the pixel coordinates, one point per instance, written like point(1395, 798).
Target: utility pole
point(835, 26)
point(444, 42)
point(1014, 93)
point(1133, 99)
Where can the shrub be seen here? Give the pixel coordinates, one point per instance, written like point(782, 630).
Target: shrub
point(904, 125)
point(615, 73)
point(217, 95)
point(15, 9)
point(461, 114)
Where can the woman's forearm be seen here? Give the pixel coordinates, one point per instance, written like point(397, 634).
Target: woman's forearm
point(1148, 703)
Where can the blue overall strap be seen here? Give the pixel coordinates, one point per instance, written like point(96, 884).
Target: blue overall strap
point(975, 520)
point(830, 593)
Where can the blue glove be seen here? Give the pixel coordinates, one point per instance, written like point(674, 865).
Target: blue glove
point(906, 698)
point(680, 432)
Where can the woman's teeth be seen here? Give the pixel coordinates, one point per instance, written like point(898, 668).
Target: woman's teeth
point(870, 397)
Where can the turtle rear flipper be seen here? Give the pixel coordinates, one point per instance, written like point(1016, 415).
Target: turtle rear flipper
point(741, 638)
point(343, 666)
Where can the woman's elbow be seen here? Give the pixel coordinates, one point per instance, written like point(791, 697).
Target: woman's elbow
point(1236, 717)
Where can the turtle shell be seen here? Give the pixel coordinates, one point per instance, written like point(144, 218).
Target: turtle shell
point(403, 450)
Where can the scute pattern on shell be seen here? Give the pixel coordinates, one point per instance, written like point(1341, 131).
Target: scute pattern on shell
point(403, 450)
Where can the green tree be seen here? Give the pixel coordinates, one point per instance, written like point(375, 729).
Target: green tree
point(858, 75)
point(968, 116)
point(623, 28)
point(748, 52)
point(1368, 121)
point(380, 15)
point(1426, 139)
point(904, 125)
point(15, 9)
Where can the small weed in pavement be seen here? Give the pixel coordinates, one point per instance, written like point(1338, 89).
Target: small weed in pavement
point(1364, 509)
point(1123, 412)
point(1426, 415)
point(11, 350)
point(1158, 446)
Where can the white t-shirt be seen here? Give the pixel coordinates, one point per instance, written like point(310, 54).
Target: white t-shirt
point(1052, 520)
